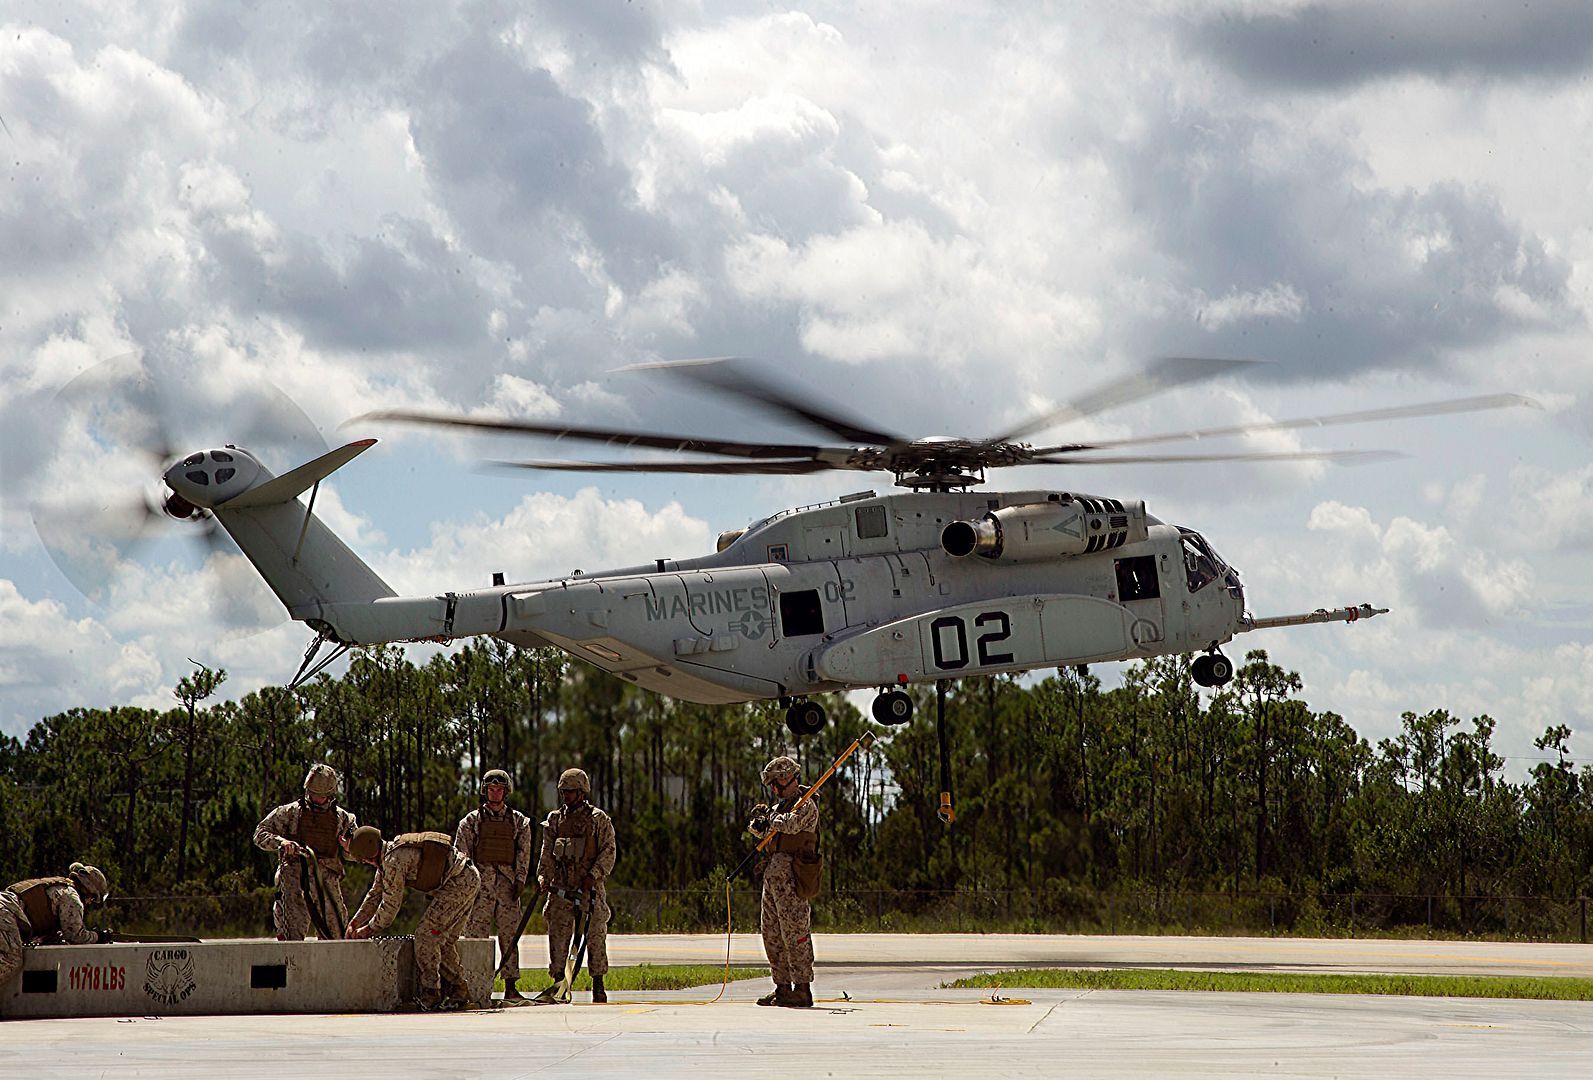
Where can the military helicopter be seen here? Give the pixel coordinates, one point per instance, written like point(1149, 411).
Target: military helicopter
point(866, 592)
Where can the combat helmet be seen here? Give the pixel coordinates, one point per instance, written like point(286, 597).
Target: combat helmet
point(321, 780)
point(575, 780)
point(780, 768)
point(90, 881)
point(497, 776)
point(366, 843)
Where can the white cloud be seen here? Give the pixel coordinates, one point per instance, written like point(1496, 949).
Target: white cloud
point(1554, 509)
point(1275, 301)
point(546, 536)
point(943, 222)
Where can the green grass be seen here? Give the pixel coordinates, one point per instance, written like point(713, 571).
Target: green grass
point(644, 977)
point(1550, 989)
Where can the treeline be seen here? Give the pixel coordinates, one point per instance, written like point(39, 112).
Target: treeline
point(1060, 786)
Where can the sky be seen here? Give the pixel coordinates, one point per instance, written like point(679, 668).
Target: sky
point(943, 217)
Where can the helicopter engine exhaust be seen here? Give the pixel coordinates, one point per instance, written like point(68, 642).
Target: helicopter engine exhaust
point(1070, 525)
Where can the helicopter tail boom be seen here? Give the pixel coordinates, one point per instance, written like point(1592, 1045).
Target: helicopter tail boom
point(303, 562)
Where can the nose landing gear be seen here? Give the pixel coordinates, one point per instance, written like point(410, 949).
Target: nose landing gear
point(893, 707)
point(1212, 669)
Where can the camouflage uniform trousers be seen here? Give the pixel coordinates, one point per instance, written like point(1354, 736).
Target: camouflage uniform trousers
point(786, 921)
point(10, 944)
point(291, 917)
point(437, 933)
point(497, 900)
point(560, 914)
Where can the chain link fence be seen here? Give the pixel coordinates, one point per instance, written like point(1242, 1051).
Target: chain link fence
point(1054, 909)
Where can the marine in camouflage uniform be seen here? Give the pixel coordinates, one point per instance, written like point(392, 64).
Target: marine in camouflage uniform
point(498, 840)
point(316, 823)
point(786, 919)
point(11, 936)
point(577, 853)
point(38, 908)
point(426, 861)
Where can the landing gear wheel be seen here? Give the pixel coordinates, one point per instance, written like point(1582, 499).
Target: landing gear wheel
point(893, 707)
point(805, 718)
point(1212, 669)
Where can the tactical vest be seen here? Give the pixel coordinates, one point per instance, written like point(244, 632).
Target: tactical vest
point(318, 830)
point(574, 847)
point(34, 897)
point(495, 840)
point(793, 843)
point(436, 856)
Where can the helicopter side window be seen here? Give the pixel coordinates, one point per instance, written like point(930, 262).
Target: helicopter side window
point(1199, 567)
point(871, 523)
point(1136, 579)
point(800, 614)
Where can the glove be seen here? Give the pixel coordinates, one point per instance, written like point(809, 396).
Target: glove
point(759, 822)
point(104, 937)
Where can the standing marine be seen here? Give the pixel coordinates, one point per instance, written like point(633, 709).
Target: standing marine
point(37, 908)
point(577, 857)
point(497, 838)
point(426, 861)
point(785, 919)
point(314, 827)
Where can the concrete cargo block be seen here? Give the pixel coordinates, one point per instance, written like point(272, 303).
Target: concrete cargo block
point(213, 978)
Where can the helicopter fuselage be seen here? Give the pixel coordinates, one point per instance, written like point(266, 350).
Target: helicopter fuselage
point(862, 592)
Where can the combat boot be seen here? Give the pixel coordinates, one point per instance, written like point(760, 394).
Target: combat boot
point(428, 999)
point(511, 991)
point(794, 996)
point(774, 997)
point(455, 995)
point(599, 995)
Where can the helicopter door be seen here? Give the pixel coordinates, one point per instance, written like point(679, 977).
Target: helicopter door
point(1151, 597)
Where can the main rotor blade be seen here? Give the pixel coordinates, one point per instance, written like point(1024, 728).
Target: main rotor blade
point(608, 436)
point(1164, 374)
point(1395, 412)
point(727, 375)
point(1338, 457)
point(783, 468)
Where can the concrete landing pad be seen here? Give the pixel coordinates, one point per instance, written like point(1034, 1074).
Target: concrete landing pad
point(899, 1024)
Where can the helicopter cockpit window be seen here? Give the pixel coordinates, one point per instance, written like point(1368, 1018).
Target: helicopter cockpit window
point(1200, 566)
point(1136, 579)
point(871, 523)
point(800, 614)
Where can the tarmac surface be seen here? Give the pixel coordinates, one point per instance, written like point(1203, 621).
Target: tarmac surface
point(882, 1013)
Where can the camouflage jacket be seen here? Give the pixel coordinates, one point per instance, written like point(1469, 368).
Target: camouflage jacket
point(283, 824)
point(398, 869)
point(601, 836)
point(465, 841)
